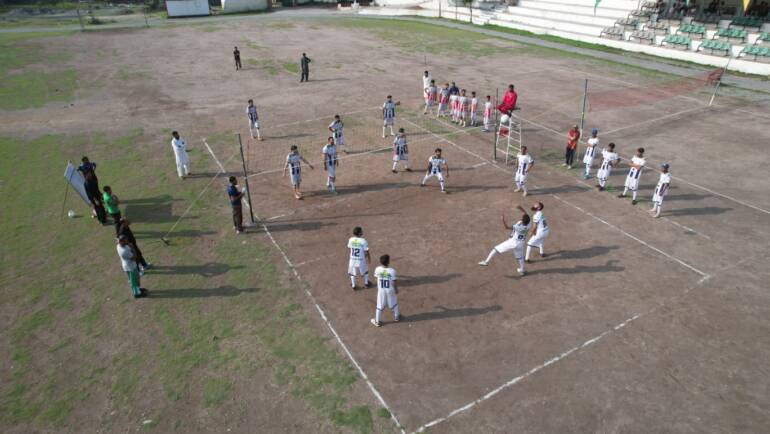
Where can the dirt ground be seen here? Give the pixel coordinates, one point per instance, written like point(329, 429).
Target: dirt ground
point(631, 324)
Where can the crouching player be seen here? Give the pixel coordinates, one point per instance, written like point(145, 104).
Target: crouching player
point(437, 167)
point(516, 241)
point(387, 292)
point(661, 190)
point(359, 257)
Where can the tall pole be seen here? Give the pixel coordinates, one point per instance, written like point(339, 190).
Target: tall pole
point(497, 132)
point(719, 82)
point(583, 111)
point(246, 180)
point(80, 20)
point(144, 9)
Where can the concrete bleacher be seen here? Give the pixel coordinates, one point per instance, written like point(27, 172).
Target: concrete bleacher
point(576, 20)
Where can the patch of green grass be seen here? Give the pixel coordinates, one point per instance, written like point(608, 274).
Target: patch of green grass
point(35, 88)
point(266, 65)
point(383, 413)
point(291, 67)
point(31, 323)
point(358, 418)
point(215, 391)
point(20, 49)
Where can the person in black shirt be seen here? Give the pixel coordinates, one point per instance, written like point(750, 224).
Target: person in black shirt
point(125, 231)
point(235, 200)
point(304, 63)
point(237, 56)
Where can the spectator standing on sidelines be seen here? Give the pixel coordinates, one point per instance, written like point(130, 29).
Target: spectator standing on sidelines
point(112, 205)
point(91, 185)
point(128, 261)
point(235, 196)
point(125, 231)
point(179, 145)
point(237, 56)
point(572, 141)
point(304, 64)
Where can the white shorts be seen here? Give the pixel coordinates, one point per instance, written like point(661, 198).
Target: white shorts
point(296, 178)
point(512, 244)
point(254, 125)
point(604, 174)
point(588, 160)
point(388, 121)
point(632, 183)
point(463, 114)
point(658, 198)
point(520, 179)
point(386, 297)
point(438, 175)
point(332, 171)
point(340, 141)
point(357, 268)
point(400, 157)
point(538, 239)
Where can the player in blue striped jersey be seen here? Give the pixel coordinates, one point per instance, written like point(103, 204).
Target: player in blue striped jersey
point(329, 155)
point(591, 148)
point(661, 190)
point(251, 112)
point(294, 162)
point(389, 115)
point(400, 151)
point(339, 138)
point(609, 160)
point(634, 173)
point(437, 167)
point(525, 163)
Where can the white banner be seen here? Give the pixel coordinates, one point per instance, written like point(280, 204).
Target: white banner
point(77, 181)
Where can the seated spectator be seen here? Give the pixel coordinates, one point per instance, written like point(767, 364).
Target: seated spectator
point(712, 7)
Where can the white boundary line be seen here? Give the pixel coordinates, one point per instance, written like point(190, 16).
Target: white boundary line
point(529, 373)
point(648, 121)
point(322, 313)
point(221, 167)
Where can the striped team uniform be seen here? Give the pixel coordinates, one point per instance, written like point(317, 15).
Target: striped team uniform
point(487, 114)
point(661, 190)
point(538, 239)
point(251, 111)
point(294, 168)
point(524, 161)
point(443, 100)
point(453, 105)
point(608, 158)
point(330, 158)
point(388, 113)
point(337, 135)
point(516, 241)
point(400, 150)
point(430, 96)
point(474, 110)
point(357, 264)
point(588, 157)
point(632, 180)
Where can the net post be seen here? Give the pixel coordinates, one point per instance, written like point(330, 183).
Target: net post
point(719, 82)
point(583, 111)
point(246, 179)
point(494, 141)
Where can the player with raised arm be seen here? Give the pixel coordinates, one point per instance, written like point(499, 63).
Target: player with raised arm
point(251, 112)
point(588, 156)
point(400, 151)
point(524, 165)
point(293, 162)
point(389, 115)
point(387, 291)
point(539, 231)
point(661, 190)
point(437, 166)
point(339, 138)
point(609, 160)
point(515, 242)
point(329, 154)
point(358, 248)
point(634, 173)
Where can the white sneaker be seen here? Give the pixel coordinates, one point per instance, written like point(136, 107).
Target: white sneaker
point(521, 271)
point(483, 263)
point(375, 323)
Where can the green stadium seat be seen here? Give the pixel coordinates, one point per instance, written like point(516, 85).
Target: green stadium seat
point(756, 51)
point(677, 40)
point(716, 45)
point(746, 22)
point(730, 33)
point(763, 37)
point(693, 30)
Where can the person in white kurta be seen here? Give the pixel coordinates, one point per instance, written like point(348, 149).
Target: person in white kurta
point(179, 145)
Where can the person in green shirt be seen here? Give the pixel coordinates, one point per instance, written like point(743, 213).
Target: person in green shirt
point(111, 203)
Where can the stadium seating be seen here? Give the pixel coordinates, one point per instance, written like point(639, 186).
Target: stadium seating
point(763, 37)
point(716, 45)
point(612, 32)
point(643, 35)
point(658, 27)
point(640, 13)
point(744, 22)
point(693, 30)
point(627, 22)
point(756, 51)
point(731, 33)
point(677, 41)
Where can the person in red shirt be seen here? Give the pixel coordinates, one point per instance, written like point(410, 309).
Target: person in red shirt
point(509, 101)
point(572, 141)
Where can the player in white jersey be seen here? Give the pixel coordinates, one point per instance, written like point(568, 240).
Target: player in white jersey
point(426, 80)
point(251, 112)
point(437, 167)
point(389, 115)
point(525, 163)
point(488, 106)
point(463, 105)
point(179, 145)
point(453, 107)
point(474, 108)
point(387, 292)
point(634, 173)
point(515, 242)
point(539, 231)
point(329, 155)
point(609, 160)
point(293, 162)
point(443, 100)
point(591, 148)
point(339, 137)
point(400, 151)
point(661, 190)
point(430, 96)
point(358, 248)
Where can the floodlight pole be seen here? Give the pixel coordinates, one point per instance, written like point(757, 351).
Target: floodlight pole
point(246, 180)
